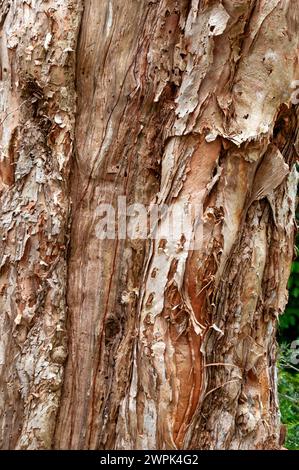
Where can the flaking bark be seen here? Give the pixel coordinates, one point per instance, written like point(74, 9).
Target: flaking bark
point(129, 343)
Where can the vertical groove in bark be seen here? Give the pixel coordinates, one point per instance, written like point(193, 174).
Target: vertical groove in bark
point(122, 132)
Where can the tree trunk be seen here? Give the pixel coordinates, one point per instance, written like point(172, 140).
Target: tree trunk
point(133, 343)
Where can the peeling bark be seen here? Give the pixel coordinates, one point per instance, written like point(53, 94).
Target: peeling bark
point(147, 344)
point(38, 40)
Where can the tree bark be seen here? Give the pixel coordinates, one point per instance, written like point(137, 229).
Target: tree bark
point(132, 343)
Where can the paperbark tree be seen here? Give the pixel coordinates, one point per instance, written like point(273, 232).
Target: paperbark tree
point(131, 343)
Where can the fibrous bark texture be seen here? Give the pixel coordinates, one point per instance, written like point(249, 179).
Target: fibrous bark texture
point(132, 343)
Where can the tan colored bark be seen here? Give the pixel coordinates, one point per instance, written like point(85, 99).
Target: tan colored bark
point(129, 343)
point(38, 40)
